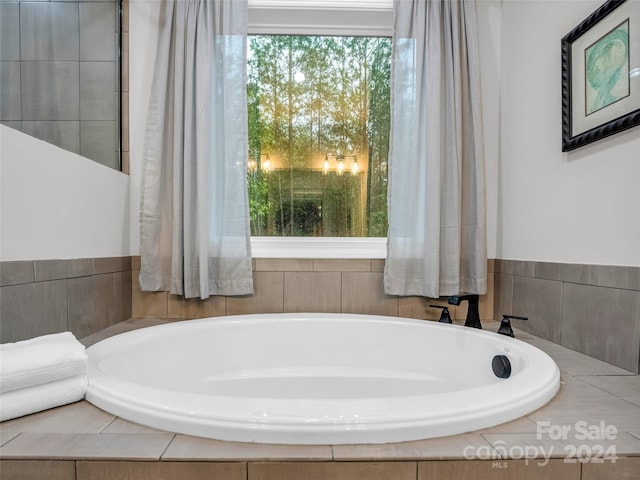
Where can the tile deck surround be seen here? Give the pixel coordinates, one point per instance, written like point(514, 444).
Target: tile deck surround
point(81, 442)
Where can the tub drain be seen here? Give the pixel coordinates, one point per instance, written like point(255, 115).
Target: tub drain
point(501, 366)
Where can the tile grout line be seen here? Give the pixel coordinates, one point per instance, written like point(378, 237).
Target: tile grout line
point(341, 294)
point(67, 294)
point(3, 444)
point(493, 448)
point(607, 391)
point(20, 68)
point(113, 420)
point(166, 448)
point(562, 294)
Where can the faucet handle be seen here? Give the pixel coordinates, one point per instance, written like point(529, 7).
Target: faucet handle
point(505, 324)
point(444, 317)
point(514, 317)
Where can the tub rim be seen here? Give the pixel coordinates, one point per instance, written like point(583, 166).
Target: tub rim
point(131, 402)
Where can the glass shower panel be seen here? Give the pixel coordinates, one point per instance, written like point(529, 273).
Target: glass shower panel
point(60, 74)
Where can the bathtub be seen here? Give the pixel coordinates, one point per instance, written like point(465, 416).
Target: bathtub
point(317, 378)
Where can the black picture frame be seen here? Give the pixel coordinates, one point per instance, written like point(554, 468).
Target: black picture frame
point(577, 128)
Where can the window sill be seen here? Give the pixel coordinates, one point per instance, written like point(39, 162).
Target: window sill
point(318, 247)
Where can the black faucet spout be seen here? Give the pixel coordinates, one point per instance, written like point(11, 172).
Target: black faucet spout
point(473, 314)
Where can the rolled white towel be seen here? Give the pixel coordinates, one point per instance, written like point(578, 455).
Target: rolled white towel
point(42, 397)
point(40, 360)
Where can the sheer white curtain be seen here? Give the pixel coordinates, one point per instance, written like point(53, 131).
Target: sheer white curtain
point(437, 230)
point(194, 221)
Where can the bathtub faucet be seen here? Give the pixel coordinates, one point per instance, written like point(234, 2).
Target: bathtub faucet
point(473, 315)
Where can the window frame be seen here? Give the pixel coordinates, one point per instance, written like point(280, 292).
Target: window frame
point(320, 17)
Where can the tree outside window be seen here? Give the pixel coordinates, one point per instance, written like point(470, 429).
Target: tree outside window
point(319, 113)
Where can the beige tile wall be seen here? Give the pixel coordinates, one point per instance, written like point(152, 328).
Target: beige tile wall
point(161, 471)
point(304, 285)
point(370, 470)
point(594, 309)
point(499, 470)
point(81, 295)
point(332, 470)
point(38, 470)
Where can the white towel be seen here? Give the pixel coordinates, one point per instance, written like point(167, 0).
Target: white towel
point(40, 360)
point(42, 397)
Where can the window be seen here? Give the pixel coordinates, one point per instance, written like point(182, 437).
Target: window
point(319, 110)
point(328, 18)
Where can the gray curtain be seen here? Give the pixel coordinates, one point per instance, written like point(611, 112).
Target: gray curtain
point(437, 229)
point(194, 220)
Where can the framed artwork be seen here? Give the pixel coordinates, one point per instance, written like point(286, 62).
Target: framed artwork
point(601, 74)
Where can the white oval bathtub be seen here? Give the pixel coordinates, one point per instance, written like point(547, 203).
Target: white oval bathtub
point(316, 378)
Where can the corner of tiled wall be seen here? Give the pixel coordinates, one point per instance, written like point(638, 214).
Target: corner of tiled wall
point(594, 309)
point(82, 295)
point(124, 85)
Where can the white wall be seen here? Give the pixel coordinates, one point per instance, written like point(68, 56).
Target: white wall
point(57, 205)
point(576, 207)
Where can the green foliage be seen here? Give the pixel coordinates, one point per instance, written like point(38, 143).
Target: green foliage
point(308, 97)
point(258, 201)
point(301, 218)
